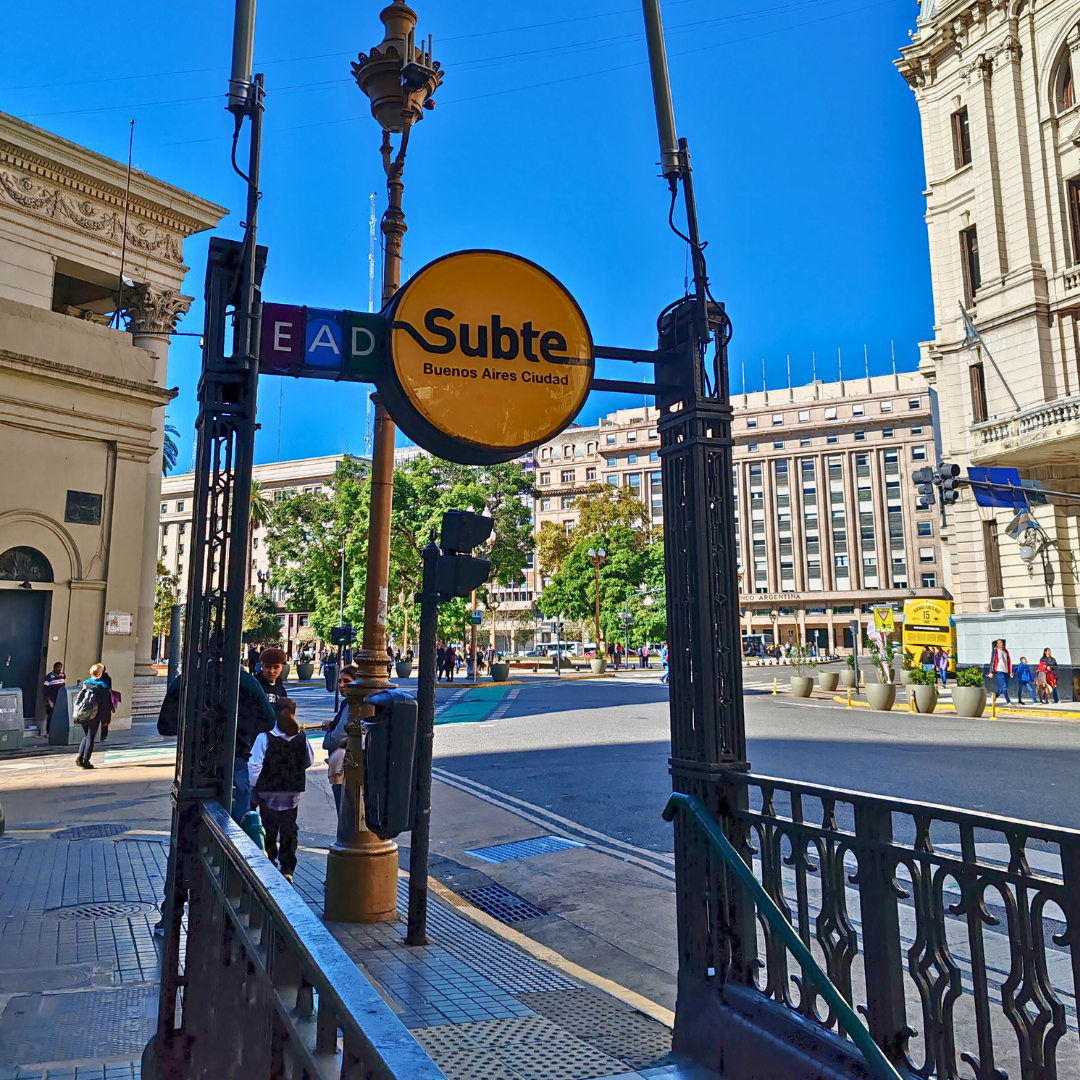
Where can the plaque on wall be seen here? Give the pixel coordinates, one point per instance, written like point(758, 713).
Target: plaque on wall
point(118, 622)
point(83, 508)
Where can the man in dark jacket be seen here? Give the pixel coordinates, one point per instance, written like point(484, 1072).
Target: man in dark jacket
point(254, 715)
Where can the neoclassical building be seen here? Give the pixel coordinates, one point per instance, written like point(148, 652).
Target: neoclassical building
point(1001, 137)
point(82, 403)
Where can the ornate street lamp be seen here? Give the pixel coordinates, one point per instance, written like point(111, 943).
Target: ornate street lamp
point(597, 558)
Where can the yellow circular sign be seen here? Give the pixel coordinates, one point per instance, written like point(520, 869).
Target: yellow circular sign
point(489, 356)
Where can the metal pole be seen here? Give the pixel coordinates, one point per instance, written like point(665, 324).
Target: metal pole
point(174, 642)
point(475, 665)
point(425, 703)
point(341, 625)
point(661, 87)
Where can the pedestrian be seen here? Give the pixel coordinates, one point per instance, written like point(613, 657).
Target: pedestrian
point(279, 760)
point(644, 656)
point(55, 681)
point(664, 661)
point(618, 655)
point(440, 661)
point(252, 657)
point(1024, 677)
point(389, 661)
point(926, 658)
point(271, 665)
point(941, 662)
point(449, 662)
point(1050, 672)
point(337, 738)
point(93, 709)
point(1001, 669)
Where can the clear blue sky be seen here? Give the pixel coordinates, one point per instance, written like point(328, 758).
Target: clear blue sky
point(805, 139)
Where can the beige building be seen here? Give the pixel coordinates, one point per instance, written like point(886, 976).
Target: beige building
point(277, 480)
point(1000, 114)
point(82, 404)
point(826, 518)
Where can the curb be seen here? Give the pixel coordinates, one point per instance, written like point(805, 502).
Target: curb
point(549, 956)
point(1010, 714)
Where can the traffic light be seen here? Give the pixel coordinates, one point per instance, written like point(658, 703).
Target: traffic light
point(924, 478)
point(458, 571)
point(949, 478)
point(342, 635)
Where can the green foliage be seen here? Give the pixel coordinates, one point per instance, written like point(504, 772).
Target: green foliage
point(800, 659)
point(920, 677)
point(168, 593)
point(908, 661)
point(851, 661)
point(169, 450)
point(261, 622)
point(882, 654)
point(970, 676)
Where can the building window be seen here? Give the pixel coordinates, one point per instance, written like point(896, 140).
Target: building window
point(545, 478)
point(568, 476)
point(654, 455)
point(566, 502)
point(182, 527)
point(631, 459)
point(612, 462)
point(631, 436)
point(751, 421)
point(254, 541)
point(887, 433)
point(179, 507)
point(961, 138)
point(916, 431)
point(653, 433)
point(545, 453)
point(979, 411)
point(804, 441)
point(914, 403)
point(918, 453)
point(778, 418)
point(857, 410)
point(830, 413)
point(1074, 216)
point(590, 449)
point(929, 581)
point(831, 439)
point(926, 554)
point(545, 504)
point(613, 479)
point(1066, 94)
point(634, 480)
point(969, 257)
point(804, 416)
point(180, 549)
point(778, 444)
point(860, 436)
point(164, 508)
point(590, 474)
point(925, 528)
point(886, 406)
point(752, 448)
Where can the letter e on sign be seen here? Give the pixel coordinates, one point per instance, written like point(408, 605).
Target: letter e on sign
point(281, 349)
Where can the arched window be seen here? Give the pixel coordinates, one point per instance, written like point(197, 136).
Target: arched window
point(24, 564)
point(1064, 92)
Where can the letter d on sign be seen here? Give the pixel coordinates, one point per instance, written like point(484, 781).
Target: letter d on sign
point(365, 337)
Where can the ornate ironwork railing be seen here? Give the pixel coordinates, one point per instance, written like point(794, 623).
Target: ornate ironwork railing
point(265, 990)
point(965, 923)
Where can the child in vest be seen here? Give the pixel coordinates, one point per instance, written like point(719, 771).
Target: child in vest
point(276, 770)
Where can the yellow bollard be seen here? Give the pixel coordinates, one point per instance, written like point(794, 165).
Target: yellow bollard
point(774, 690)
point(911, 699)
point(849, 697)
point(993, 708)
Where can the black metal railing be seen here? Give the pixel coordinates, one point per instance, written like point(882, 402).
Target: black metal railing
point(964, 923)
point(265, 990)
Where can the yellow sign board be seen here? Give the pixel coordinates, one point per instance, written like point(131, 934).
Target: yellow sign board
point(884, 622)
point(489, 357)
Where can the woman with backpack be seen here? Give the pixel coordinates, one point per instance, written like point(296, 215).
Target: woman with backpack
point(93, 710)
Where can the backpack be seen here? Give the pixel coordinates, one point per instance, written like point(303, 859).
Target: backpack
point(86, 706)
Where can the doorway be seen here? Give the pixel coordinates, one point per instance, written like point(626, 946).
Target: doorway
point(22, 641)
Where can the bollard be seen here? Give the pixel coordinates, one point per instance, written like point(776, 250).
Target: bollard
point(911, 698)
point(774, 685)
point(849, 697)
point(993, 708)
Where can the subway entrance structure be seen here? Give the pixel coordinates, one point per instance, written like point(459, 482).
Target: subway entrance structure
point(799, 955)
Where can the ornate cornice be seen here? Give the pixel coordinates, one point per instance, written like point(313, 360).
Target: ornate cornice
point(152, 310)
point(89, 208)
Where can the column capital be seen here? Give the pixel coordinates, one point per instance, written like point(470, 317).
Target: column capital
point(153, 310)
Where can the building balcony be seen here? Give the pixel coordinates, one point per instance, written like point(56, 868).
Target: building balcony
point(1042, 435)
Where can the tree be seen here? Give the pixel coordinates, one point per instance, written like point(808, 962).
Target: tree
point(167, 594)
point(261, 509)
point(553, 544)
point(261, 622)
point(169, 450)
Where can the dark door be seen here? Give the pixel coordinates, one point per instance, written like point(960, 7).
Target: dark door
point(22, 634)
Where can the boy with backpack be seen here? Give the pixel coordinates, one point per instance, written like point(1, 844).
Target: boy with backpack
point(1025, 678)
point(279, 760)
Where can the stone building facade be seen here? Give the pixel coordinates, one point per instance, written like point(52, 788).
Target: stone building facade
point(994, 84)
point(826, 515)
point(82, 405)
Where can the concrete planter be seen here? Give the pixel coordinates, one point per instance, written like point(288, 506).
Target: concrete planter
point(598, 665)
point(305, 671)
point(403, 669)
point(849, 676)
point(802, 685)
point(905, 677)
point(969, 700)
point(500, 672)
point(880, 696)
point(925, 698)
point(828, 679)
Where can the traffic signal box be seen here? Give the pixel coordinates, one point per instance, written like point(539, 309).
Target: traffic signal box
point(342, 635)
point(389, 738)
point(458, 571)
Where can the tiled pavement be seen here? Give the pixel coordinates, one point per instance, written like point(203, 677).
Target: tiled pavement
point(78, 978)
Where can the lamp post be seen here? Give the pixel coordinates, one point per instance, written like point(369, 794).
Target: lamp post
point(403, 597)
point(398, 76)
point(597, 558)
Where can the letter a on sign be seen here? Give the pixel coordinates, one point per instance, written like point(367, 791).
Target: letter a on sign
point(323, 340)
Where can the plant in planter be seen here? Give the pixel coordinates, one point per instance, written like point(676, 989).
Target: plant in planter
point(969, 693)
point(802, 682)
point(907, 666)
point(882, 655)
point(923, 689)
point(849, 675)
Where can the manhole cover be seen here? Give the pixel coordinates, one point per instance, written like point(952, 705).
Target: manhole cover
point(504, 905)
point(90, 832)
point(126, 909)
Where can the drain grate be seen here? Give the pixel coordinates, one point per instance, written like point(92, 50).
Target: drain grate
point(524, 849)
point(123, 909)
point(90, 832)
point(504, 905)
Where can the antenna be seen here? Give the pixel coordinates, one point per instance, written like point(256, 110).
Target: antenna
point(840, 366)
point(813, 365)
point(744, 379)
point(866, 363)
point(791, 396)
point(123, 241)
point(764, 385)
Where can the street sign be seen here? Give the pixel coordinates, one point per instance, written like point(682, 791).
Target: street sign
point(319, 343)
point(489, 356)
point(884, 621)
point(477, 617)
